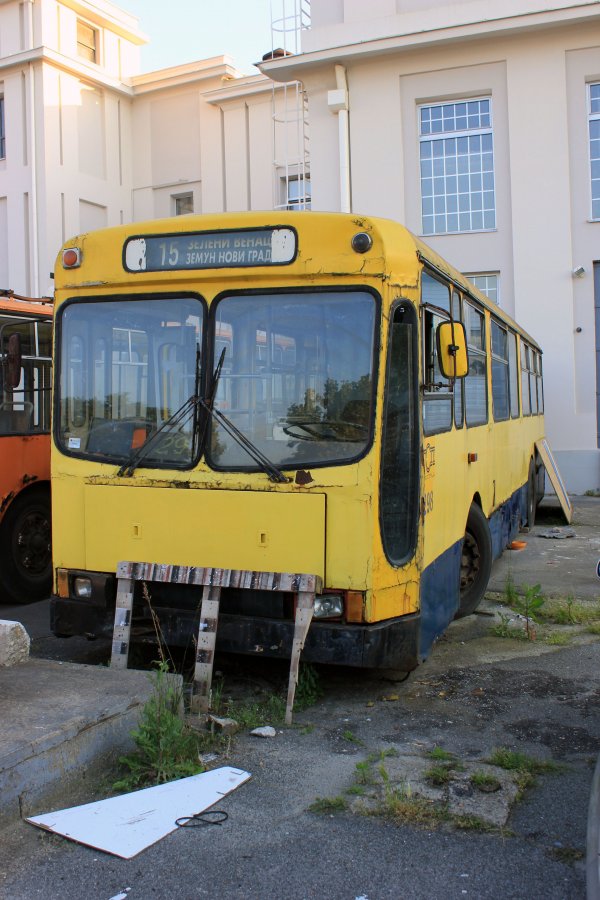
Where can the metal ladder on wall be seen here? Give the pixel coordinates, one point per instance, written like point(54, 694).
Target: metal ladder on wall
point(212, 581)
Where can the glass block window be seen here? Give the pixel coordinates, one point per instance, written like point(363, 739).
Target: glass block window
point(2, 133)
point(487, 284)
point(457, 167)
point(595, 147)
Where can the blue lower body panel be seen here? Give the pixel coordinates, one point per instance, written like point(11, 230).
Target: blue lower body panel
point(440, 581)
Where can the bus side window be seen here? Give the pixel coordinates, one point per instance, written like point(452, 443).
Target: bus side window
point(476, 381)
point(540, 384)
point(500, 373)
point(525, 385)
point(437, 396)
point(459, 417)
point(513, 375)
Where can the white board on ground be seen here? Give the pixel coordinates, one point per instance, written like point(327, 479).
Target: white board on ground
point(127, 824)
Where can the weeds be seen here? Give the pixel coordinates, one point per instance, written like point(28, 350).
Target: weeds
point(515, 761)
point(328, 805)
point(438, 776)
point(485, 782)
point(308, 689)
point(441, 755)
point(558, 638)
point(350, 737)
point(253, 714)
point(166, 748)
point(529, 606)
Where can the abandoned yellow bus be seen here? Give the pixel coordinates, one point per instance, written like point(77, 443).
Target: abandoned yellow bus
point(286, 393)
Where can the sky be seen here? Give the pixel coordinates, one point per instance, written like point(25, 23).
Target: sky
point(182, 31)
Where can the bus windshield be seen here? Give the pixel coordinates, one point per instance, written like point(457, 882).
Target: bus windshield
point(297, 377)
point(125, 367)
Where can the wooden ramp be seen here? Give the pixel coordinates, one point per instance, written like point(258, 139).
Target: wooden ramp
point(556, 481)
point(212, 581)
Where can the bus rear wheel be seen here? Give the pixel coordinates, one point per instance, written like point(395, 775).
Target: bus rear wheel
point(475, 562)
point(25, 548)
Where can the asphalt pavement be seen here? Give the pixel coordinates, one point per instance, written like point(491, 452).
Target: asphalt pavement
point(478, 691)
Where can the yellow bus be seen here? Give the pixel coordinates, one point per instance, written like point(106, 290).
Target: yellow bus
point(286, 392)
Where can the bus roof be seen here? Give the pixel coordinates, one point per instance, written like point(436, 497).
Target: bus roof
point(25, 306)
point(316, 230)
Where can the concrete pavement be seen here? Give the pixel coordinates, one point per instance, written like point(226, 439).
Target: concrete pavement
point(59, 719)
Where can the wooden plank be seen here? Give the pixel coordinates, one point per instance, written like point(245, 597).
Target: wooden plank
point(293, 582)
point(122, 627)
point(555, 478)
point(304, 614)
point(205, 650)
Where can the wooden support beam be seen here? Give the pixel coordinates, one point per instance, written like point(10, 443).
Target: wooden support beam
point(304, 614)
point(122, 627)
point(205, 651)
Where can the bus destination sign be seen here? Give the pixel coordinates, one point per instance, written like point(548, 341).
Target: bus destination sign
point(210, 250)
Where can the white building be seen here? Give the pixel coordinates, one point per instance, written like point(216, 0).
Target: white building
point(476, 123)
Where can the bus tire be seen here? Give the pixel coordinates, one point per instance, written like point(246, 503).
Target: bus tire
point(25, 548)
point(531, 496)
point(475, 562)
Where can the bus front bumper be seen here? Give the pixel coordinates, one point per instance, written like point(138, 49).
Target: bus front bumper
point(392, 644)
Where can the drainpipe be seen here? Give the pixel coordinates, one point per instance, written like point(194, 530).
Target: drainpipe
point(35, 275)
point(337, 102)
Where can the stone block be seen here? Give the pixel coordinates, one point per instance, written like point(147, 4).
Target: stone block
point(14, 643)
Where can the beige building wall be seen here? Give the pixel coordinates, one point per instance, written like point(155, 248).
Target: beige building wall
point(68, 130)
point(534, 61)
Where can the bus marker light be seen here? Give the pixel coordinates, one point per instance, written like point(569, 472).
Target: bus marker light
point(354, 606)
point(71, 258)
point(361, 242)
point(62, 583)
point(471, 458)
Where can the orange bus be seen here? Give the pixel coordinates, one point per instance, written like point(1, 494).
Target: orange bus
point(25, 384)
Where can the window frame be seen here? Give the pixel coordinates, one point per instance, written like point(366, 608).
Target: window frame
point(477, 353)
point(2, 128)
point(466, 132)
point(187, 195)
point(429, 350)
point(93, 50)
point(593, 110)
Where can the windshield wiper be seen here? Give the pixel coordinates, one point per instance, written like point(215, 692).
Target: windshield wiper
point(178, 418)
point(262, 461)
point(189, 408)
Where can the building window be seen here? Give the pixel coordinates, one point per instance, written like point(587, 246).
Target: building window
point(2, 134)
point(297, 192)
point(595, 148)
point(87, 41)
point(487, 284)
point(457, 167)
point(184, 204)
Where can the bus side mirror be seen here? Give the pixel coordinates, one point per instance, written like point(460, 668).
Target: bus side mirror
point(452, 349)
point(13, 362)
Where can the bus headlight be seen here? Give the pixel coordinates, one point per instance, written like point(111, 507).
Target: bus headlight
point(82, 588)
point(328, 606)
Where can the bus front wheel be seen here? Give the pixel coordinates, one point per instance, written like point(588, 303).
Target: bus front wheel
point(475, 562)
point(25, 548)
